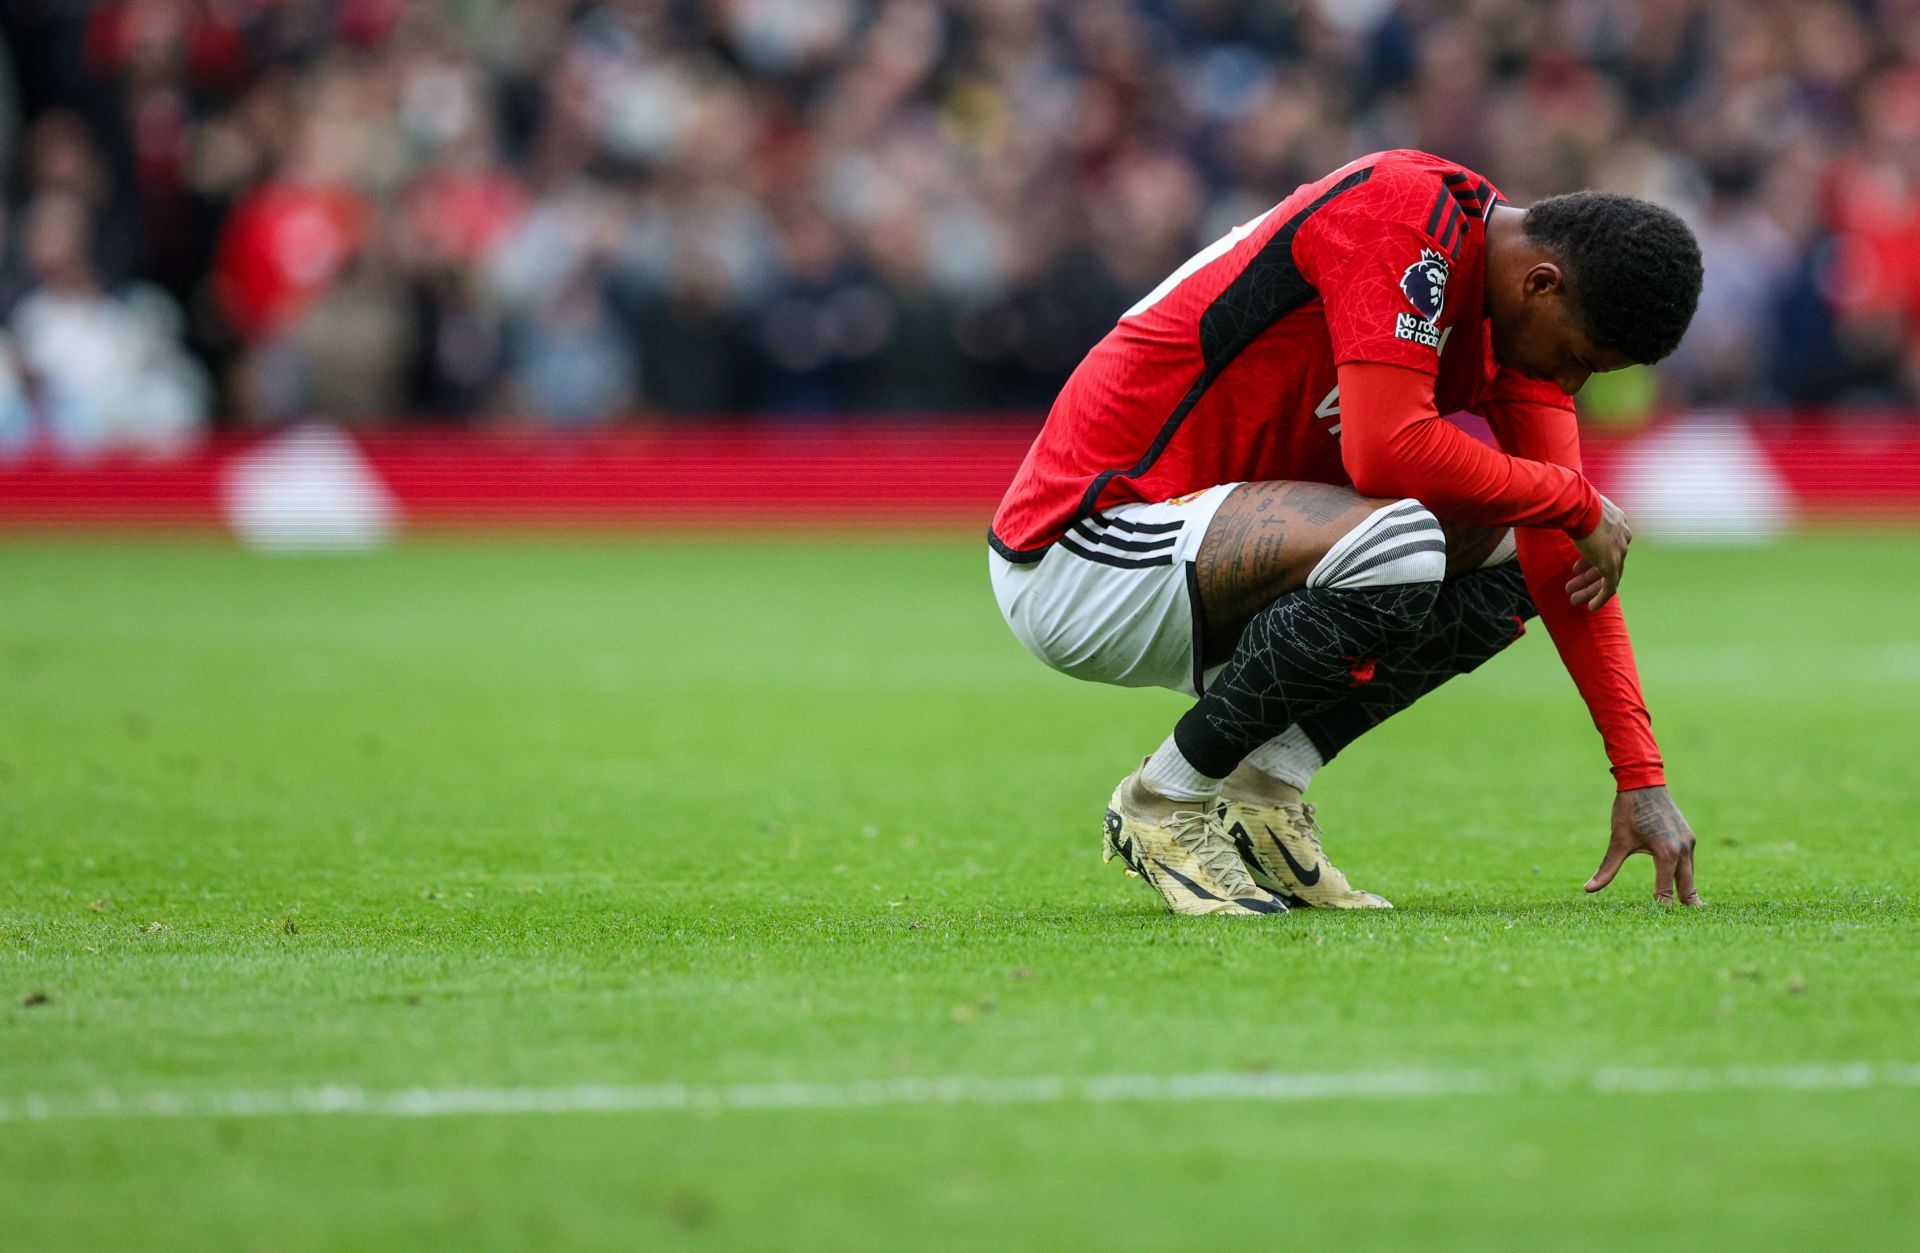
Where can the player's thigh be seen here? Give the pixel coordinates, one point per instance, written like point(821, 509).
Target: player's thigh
point(1266, 538)
point(1263, 542)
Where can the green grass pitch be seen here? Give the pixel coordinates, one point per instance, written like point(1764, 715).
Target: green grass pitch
point(714, 812)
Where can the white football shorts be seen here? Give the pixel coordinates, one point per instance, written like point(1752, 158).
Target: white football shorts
point(1116, 600)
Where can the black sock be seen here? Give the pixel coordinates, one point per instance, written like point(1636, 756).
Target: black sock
point(1300, 655)
point(1474, 617)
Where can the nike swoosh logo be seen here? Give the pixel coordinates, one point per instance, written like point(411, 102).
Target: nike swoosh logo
point(1307, 877)
point(1257, 904)
point(1189, 884)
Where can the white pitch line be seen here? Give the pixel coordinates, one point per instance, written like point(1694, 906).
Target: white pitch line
point(1372, 1085)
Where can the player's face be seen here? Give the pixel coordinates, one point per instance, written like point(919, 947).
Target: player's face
point(1537, 336)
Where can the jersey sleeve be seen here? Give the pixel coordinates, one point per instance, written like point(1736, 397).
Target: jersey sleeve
point(1393, 442)
point(1534, 420)
point(1380, 273)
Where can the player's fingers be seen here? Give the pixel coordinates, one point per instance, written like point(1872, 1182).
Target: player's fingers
point(1609, 585)
point(1683, 878)
point(1609, 865)
point(1663, 865)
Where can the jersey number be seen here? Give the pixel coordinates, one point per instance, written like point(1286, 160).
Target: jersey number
point(1330, 408)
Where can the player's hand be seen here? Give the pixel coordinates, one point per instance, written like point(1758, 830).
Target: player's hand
point(1645, 820)
point(1603, 558)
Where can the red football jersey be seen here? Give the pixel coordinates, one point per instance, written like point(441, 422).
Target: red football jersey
point(1226, 372)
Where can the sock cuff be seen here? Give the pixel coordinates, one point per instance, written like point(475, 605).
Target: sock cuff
point(1174, 775)
point(1291, 757)
point(1324, 741)
point(1207, 752)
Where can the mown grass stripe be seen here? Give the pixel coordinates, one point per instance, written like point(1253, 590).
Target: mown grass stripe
point(1376, 1085)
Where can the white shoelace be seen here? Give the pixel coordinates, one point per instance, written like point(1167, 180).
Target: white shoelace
point(1307, 824)
point(1200, 835)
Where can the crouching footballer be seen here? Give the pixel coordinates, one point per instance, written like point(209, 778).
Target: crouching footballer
point(1247, 493)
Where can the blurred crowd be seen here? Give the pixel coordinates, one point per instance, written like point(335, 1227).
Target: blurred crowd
point(462, 211)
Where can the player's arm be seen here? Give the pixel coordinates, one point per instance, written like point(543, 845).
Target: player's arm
point(1534, 421)
point(1394, 442)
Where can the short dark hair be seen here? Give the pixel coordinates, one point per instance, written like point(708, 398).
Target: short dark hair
point(1633, 268)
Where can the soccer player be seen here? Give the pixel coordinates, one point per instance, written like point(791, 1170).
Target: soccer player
point(1247, 492)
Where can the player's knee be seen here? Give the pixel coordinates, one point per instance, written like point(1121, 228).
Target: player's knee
point(1398, 545)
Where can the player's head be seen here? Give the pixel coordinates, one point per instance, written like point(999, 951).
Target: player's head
point(1601, 281)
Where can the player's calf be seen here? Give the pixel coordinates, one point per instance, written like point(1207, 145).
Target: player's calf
point(1475, 618)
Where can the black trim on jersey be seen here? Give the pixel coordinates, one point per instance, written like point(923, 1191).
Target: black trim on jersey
point(1092, 536)
point(1476, 199)
point(1018, 556)
point(1108, 559)
point(1455, 227)
point(1441, 199)
point(1268, 289)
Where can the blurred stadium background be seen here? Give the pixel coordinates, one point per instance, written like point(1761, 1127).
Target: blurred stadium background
point(566, 811)
point(552, 260)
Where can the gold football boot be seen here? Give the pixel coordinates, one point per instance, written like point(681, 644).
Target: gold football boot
point(1277, 838)
point(1180, 850)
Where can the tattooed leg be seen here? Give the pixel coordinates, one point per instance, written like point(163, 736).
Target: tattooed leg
point(1262, 544)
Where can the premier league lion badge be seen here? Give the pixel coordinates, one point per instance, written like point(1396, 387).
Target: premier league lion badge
point(1425, 284)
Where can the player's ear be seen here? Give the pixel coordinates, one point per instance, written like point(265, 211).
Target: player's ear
point(1543, 279)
